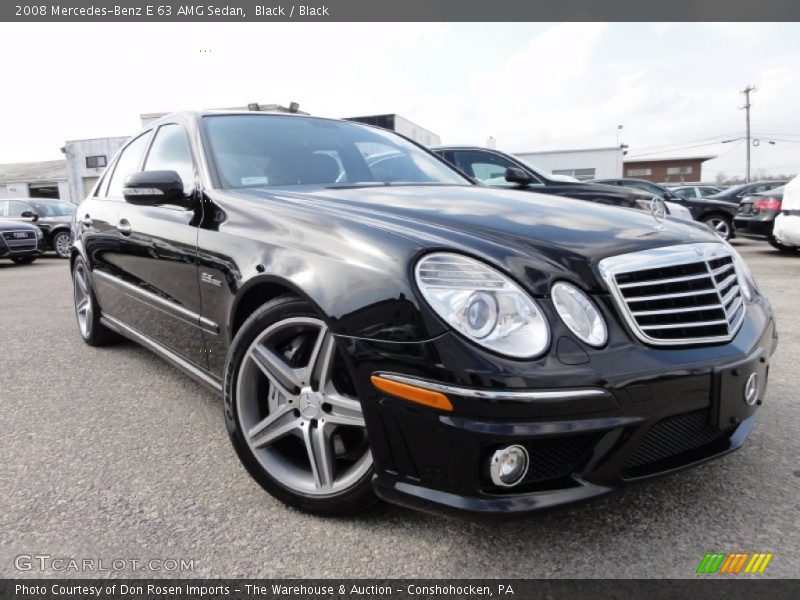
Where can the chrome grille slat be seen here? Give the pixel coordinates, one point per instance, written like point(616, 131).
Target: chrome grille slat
point(687, 324)
point(662, 281)
point(695, 296)
point(678, 295)
point(669, 311)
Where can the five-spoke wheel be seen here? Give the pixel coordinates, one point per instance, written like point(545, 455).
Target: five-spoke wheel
point(297, 421)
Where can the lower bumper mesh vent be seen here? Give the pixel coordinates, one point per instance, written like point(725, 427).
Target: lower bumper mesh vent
point(674, 438)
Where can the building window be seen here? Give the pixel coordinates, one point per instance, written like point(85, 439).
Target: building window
point(639, 172)
point(580, 174)
point(96, 162)
point(679, 170)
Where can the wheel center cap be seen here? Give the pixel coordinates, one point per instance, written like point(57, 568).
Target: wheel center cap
point(310, 403)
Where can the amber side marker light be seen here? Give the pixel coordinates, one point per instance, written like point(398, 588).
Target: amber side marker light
point(412, 393)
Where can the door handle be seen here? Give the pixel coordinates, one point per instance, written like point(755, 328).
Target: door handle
point(124, 227)
point(86, 221)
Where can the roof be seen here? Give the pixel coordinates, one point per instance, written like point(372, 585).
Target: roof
point(33, 172)
point(669, 159)
point(600, 149)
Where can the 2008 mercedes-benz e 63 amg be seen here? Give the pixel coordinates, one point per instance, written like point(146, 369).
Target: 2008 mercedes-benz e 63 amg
point(379, 326)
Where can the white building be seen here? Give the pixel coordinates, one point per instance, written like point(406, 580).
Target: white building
point(46, 179)
point(86, 161)
point(583, 164)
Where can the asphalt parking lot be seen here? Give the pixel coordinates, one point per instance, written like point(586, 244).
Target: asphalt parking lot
point(111, 453)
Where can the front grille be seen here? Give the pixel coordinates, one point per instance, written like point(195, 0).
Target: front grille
point(675, 440)
point(679, 294)
point(556, 457)
point(18, 241)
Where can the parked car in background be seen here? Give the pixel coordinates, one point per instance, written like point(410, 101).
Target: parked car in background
point(421, 338)
point(717, 215)
point(756, 217)
point(21, 242)
point(53, 217)
point(694, 191)
point(499, 169)
point(735, 193)
point(787, 224)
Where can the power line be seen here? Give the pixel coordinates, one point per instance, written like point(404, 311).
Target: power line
point(675, 149)
point(708, 139)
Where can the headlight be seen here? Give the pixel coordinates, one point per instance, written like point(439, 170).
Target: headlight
point(579, 314)
point(482, 304)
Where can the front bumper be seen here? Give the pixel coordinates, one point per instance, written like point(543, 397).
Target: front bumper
point(11, 250)
point(656, 410)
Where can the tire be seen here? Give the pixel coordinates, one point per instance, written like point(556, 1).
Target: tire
point(61, 243)
point(23, 260)
point(721, 225)
point(87, 310)
point(292, 412)
point(781, 247)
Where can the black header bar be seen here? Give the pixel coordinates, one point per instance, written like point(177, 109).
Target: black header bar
point(400, 10)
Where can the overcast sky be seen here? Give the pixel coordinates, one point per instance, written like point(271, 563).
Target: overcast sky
point(533, 86)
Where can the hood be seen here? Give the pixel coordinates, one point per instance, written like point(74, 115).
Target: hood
point(536, 236)
point(8, 225)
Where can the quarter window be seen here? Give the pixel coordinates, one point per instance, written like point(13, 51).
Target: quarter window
point(127, 163)
point(170, 152)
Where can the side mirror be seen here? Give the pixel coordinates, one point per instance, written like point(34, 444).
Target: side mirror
point(154, 188)
point(517, 175)
point(29, 214)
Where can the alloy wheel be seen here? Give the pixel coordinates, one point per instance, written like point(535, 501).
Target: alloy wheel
point(83, 300)
point(720, 227)
point(61, 244)
point(298, 410)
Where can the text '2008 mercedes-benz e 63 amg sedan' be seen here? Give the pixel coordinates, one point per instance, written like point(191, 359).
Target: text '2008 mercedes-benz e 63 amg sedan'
point(380, 326)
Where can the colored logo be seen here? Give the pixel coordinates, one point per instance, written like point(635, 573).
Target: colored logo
point(723, 563)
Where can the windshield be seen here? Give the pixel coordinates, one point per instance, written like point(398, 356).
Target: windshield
point(272, 150)
point(53, 209)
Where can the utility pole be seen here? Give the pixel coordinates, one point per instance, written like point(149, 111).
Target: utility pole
point(746, 91)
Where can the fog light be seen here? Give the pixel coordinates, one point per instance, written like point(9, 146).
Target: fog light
point(509, 466)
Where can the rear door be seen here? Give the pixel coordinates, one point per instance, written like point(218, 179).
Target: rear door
point(158, 257)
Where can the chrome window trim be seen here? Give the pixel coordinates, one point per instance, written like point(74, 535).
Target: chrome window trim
point(668, 256)
point(487, 394)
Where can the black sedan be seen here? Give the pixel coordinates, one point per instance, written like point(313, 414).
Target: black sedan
point(714, 213)
point(756, 217)
point(53, 217)
point(20, 242)
point(499, 169)
point(404, 333)
point(736, 193)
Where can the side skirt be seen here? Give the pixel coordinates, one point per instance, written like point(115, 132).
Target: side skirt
point(168, 355)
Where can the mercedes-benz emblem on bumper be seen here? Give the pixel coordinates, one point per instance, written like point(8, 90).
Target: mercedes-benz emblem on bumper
point(751, 389)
